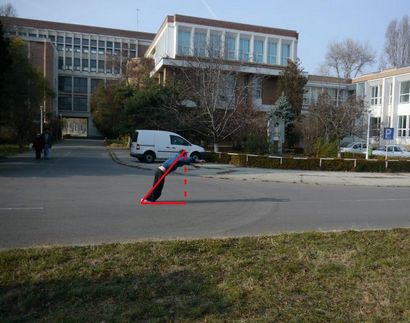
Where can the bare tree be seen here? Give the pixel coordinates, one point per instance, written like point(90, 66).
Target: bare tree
point(7, 10)
point(397, 44)
point(221, 95)
point(348, 58)
point(331, 123)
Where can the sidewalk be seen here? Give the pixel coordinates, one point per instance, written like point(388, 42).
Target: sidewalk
point(230, 172)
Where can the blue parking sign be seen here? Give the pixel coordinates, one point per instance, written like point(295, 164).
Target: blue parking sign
point(388, 134)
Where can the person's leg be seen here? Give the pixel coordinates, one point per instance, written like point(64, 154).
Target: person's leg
point(156, 193)
point(46, 149)
point(38, 154)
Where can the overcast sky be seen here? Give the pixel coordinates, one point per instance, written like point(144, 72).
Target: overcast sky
point(318, 22)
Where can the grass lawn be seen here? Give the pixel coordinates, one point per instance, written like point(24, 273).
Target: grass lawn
point(342, 277)
point(6, 150)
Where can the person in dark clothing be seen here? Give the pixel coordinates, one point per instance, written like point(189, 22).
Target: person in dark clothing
point(183, 160)
point(47, 141)
point(38, 146)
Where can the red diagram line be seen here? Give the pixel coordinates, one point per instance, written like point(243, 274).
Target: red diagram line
point(143, 200)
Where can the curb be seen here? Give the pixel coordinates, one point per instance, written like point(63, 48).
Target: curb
point(119, 161)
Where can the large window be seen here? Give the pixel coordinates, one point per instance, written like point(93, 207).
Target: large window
point(65, 84)
point(375, 126)
point(64, 102)
point(244, 45)
point(85, 64)
point(80, 103)
point(258, 51)
point(184, 42)
point(76, 64)
point(375, 95)
point(230, 47)
point(403, 125)
point(199, 44)
point(93, 65)
point(257, 88)
point(68, 63)
point(405, 92)
point(285, 54)
point(272, 48)
point(80, 85)
point(215, 50)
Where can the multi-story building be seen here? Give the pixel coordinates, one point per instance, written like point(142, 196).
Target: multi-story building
point(77, 58)
point(338, 89)
point(84, 56)
point(387, 96)
point(258, 53)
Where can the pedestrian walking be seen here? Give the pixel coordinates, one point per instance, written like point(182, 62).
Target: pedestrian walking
point(183, 159)
point(47, 142)
point(38, 145)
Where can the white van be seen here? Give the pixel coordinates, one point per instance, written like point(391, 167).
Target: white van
point(149, 145)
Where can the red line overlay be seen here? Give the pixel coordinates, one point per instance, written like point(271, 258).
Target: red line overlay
point(143, 200)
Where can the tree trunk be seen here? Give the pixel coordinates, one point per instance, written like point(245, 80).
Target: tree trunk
point(216, 147)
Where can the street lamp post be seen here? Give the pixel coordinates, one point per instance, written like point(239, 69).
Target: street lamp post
point(368, 135)
point(41, 119)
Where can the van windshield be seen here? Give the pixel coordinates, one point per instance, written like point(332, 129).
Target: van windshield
point(135, 137)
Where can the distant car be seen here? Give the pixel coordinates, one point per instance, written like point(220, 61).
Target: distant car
point(392, 151)
point(151, 145)
point(354, 147)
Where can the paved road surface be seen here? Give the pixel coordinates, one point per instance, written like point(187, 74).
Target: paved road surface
point(81, 196)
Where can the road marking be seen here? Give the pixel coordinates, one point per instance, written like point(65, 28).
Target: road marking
point(21, 208)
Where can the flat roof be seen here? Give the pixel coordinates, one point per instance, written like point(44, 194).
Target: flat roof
point(328, 79)
point(232, 25)
point(42, 24)
point(382, 74)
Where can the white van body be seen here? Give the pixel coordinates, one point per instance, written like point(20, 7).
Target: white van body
point(149, 145)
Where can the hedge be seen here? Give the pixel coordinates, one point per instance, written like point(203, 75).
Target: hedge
point(327, 164)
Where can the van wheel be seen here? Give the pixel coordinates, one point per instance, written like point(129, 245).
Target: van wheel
point(195, 155)
point(149, 157)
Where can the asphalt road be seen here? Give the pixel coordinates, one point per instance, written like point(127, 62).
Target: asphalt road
point(80, 196)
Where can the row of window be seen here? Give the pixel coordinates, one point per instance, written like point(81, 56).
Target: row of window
point(73, 92)
point(376, 93)
point(69, 84)
point(215, 48)
point(86, 65)
point(68, 40)
point(92, 42)
point(72, 103)
point(95, 50)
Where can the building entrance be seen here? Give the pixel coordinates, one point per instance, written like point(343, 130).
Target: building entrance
point(75, 127)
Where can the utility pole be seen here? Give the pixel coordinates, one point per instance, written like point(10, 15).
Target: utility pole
point(44, 106)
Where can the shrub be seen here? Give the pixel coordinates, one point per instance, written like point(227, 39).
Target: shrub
point(238, 159)
point(307, 164)
point(263, 162)
point(321, 148)
point(337, 165)
point(398, 166)
point(353, 155)
point(371, 165)
point(256, 144)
